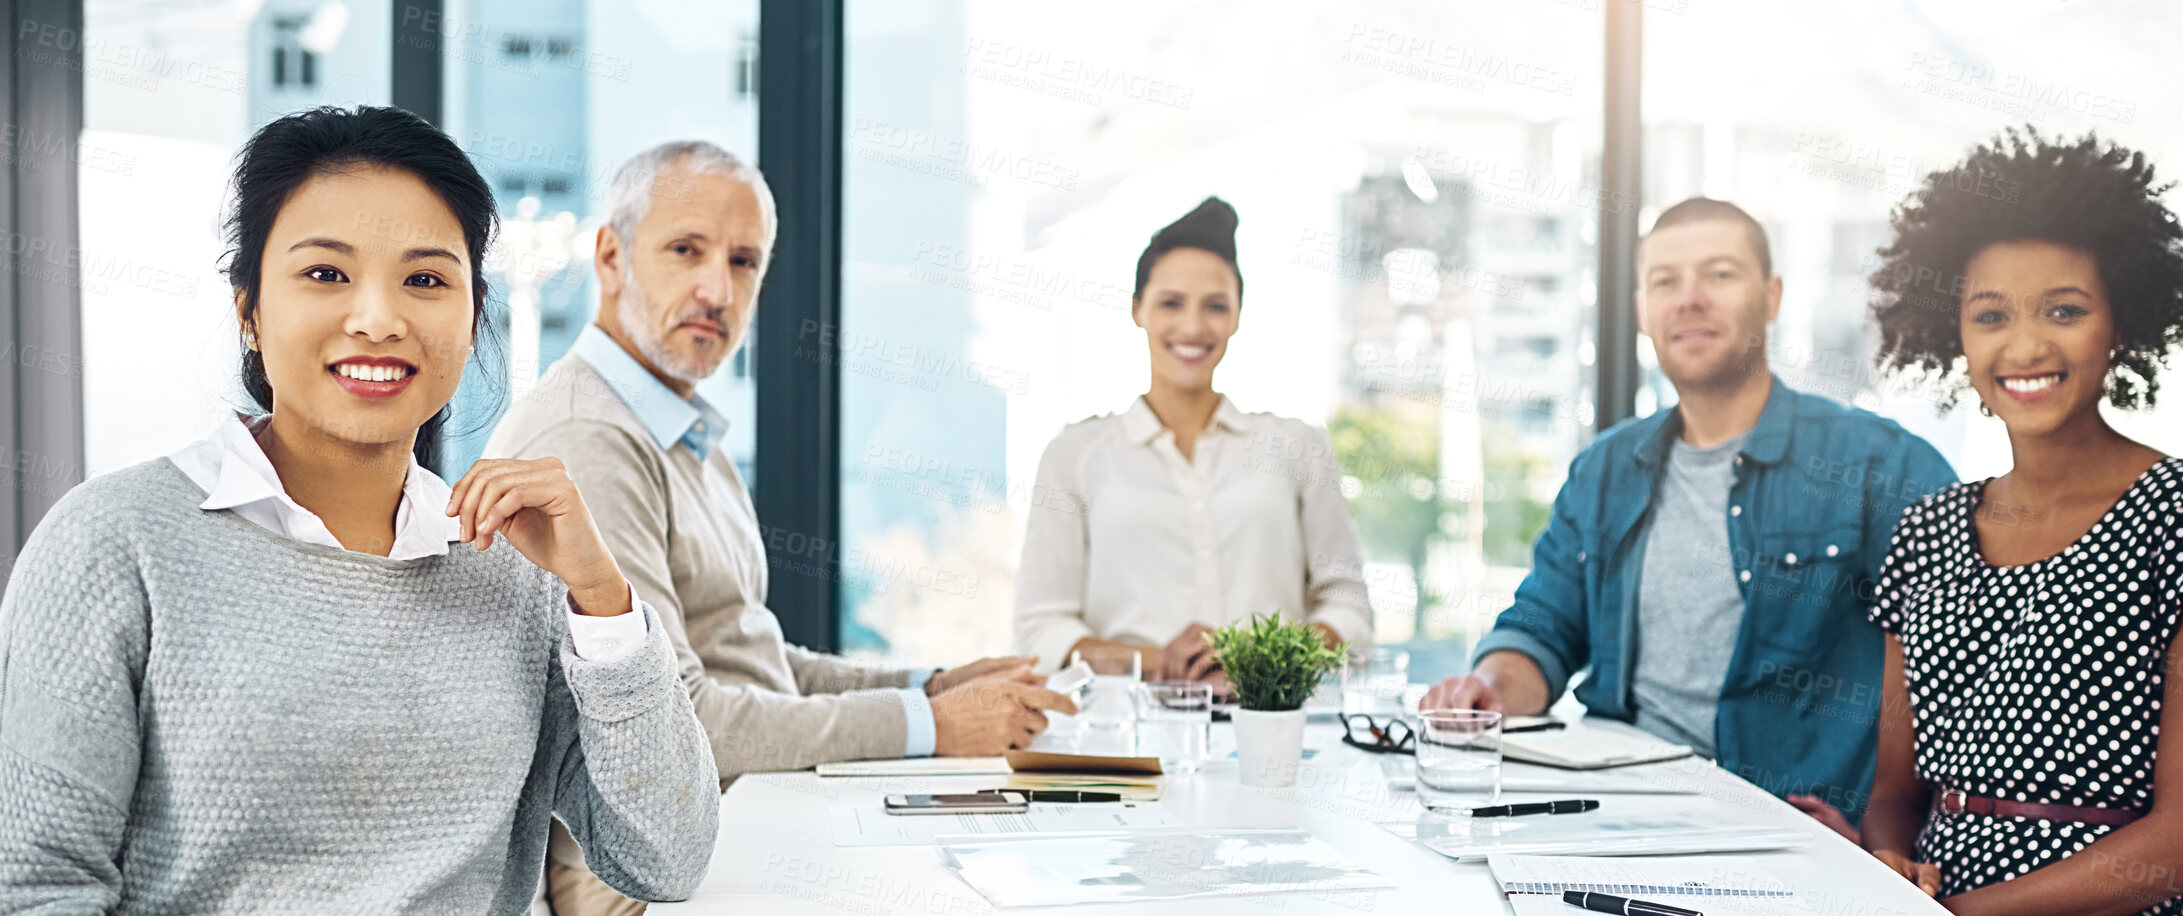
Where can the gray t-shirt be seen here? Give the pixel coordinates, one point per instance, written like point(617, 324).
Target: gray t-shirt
point(1689, 607)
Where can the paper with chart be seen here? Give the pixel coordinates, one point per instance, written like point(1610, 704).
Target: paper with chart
point(1714, 885)
point(870, 825)
point(1156, 865)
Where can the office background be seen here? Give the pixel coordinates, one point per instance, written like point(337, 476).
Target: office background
point(1440, 203)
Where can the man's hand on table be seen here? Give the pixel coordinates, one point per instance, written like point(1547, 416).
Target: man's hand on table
point(1466, 692)
point(990, 715)
point(1505, 682)
point(1016, 669)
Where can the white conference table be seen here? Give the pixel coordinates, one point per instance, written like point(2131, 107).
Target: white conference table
point(776, 852)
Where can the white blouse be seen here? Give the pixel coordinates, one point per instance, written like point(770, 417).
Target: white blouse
point(237, 477)
point(1128, 540)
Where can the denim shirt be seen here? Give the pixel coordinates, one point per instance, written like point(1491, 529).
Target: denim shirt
point(1819, 487)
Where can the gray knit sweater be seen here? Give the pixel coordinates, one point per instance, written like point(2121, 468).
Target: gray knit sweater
point(198, 715)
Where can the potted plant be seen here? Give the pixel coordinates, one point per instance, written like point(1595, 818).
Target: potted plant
point(1274, 665)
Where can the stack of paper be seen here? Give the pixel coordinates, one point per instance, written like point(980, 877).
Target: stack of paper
point(918, 766)
point(1131, 789)
point(870, 825)
point(1154, 865)
point(1583, 748)
point(1595, 834)
point(1400, 771)
point(1723, 886)
point(1051, 762)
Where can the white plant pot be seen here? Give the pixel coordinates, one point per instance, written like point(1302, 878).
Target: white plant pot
point(1269, 746)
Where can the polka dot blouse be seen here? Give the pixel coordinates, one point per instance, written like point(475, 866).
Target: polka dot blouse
point(2034, 683)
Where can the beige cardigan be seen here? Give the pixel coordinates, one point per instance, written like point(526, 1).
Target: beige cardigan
point(685, 534)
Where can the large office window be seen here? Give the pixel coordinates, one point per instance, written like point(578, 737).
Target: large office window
point(1820, 137)
point(1417, 183)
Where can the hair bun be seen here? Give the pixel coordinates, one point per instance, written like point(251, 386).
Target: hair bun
point(1212, 226)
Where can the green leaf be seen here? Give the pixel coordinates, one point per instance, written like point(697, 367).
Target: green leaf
point(1273, 663)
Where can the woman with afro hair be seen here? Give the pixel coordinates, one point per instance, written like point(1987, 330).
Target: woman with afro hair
point(2031, 617)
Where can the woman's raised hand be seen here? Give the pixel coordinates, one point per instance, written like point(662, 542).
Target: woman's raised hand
point(534, 504)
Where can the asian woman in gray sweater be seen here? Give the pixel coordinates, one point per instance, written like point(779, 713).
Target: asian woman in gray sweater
point(260, 675)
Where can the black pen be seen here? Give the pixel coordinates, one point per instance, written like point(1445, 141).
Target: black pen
point(1565, 806)
point(1536, 727)
point(1063, 796)
point(1609, 903)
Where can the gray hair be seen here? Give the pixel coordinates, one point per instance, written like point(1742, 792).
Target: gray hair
point(630, 197)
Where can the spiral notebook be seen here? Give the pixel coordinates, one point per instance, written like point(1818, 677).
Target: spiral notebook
point(1715, 885)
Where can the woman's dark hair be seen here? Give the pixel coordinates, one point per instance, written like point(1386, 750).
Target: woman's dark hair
point(1210, 227)
point(2088, 195)
point(298, 147)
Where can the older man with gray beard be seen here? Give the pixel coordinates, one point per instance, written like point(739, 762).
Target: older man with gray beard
point(679, 263)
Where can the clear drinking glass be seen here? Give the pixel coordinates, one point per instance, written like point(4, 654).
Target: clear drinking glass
point(1458, 758)
point(1373, 684)
point(1111, 702)
point(1175, 724)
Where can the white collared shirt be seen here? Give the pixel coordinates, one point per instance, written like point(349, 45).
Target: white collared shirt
point(1128, 540)
point(237, 477)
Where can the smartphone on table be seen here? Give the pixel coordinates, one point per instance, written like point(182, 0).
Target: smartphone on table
point(967, 803)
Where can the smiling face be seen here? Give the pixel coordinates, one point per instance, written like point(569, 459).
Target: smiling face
point(1189, 310)
point(2038, 333)
point(1705, 303)
point(364, 312)
point(682, 292)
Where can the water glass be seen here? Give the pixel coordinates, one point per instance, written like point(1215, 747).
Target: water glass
point(1373, 684)
point(1111, 701)
point(1458, 758)
point(1175, 724)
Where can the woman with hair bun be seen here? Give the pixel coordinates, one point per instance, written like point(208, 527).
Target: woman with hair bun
point(257, 675)
point(1183, 513)
point(2031, 617)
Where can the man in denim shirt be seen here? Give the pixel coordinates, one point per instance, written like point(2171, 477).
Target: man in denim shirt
point(1711, 563)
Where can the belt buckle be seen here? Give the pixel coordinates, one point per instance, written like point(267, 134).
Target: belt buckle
point(1953, 801)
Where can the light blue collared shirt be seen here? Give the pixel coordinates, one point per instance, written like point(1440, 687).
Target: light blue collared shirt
point(665, 415)
point(696, 425)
